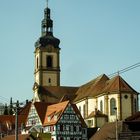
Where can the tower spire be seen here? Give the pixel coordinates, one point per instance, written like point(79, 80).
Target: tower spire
point(47, 22)
point(47, 3)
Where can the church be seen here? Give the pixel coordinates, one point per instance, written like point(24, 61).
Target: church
point(101, 100)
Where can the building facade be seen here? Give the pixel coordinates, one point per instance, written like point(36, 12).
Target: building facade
point(63, 120)
point(101, 100)
point(47, 66)
point(111, 97)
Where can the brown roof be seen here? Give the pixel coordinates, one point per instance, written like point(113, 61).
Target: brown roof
point(53, 94)
point(106, 132)
point(91, 88)
point(103, 84)
point(96, 114)
point(41, 108)
point(116, 84)
point(12, 137)
point(23, 113)
point(25, 109)
point(10, 119)
point(135, 117)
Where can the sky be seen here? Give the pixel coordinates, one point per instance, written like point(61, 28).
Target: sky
point(97, 36)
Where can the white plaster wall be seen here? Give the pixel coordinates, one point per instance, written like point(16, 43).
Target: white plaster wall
point(112, 118)
point(81, 104)
point(101, 98)
point(91, 105)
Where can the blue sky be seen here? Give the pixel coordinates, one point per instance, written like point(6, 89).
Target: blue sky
point(97, 36)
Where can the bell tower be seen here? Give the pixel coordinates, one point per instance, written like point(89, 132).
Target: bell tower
point(47, 65)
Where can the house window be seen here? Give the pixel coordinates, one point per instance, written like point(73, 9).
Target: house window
point(61, 127)
point(49, 61)
point(58, 127)
point(112, 106)
point(101, 106)
point(52, 128)
point(74, 128)
point(84, 131)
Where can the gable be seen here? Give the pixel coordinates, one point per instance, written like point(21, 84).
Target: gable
point(33, 117)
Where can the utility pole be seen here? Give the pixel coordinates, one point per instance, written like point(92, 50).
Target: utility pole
point(16, 120)
point(116, 123)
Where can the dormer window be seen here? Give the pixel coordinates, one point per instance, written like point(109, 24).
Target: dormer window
point(55, 117)
point(49, 118)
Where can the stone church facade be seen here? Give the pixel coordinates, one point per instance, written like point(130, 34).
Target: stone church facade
point(100, 100)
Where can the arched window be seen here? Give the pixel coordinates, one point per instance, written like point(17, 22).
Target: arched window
point(84, 111)
point(112, 106)
point(101, 106)
point(37, 62)
point(49, 80)
point(80, 109)
point(135, 105)
point(49, 61)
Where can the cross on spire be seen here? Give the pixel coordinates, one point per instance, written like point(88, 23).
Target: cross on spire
point(47, 2)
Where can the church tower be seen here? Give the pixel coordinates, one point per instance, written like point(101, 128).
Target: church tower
point(47, 65)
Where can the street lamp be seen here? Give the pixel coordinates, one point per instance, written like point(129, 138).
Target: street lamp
point(115, 108)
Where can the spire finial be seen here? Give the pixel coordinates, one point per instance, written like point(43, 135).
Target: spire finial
point(47, 3)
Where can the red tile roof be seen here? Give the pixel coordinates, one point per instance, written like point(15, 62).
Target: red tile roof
point(52, 110)
point(134, 117)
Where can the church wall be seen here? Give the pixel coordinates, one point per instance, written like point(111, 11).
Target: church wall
point(37, 56)
point(80, 106)
point(91, 105)
point(112, 118)
point(101, 99)
point(126, 105)
point(36, 98)
point(51, 75)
